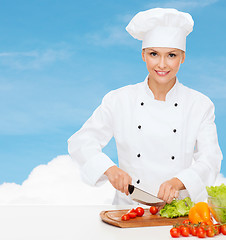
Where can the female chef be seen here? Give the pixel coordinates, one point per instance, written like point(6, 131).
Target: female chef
point(165, 132)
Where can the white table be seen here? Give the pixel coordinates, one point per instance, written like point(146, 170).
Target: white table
point(41, 222)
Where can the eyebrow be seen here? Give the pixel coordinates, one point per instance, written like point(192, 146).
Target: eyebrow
point(175, 50)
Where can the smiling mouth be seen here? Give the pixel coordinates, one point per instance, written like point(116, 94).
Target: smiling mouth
point(162, 73)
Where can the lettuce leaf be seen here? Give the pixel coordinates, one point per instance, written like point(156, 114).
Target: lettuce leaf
point(218, 201)
point(177, 208)
point(219, 195)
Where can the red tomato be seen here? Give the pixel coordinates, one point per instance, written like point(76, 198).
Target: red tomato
point(175, 232)
point(132, 210)
point(139, 211)
point(187, 222)
point(181, 226)
point(193, 231)
point(153, 210)
point(217, 228)
point(223, 229)
point(201, 233)
point(132, 214)
point(210, 231)
point(125, 217)
point(185, 231)
point(203, 225)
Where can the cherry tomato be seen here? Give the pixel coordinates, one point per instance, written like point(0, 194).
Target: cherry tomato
point(201, 233)
point(217, 228)
point(132, 210)
point(193, 231)
point(210, 231)
point(125, 217)
point(153, 210)
point(181, 226)
point(185, 231)
point(139, 211)
point(223, 229)
point(203, 225)
point(132, 214)
point(175, 232)
point(187, 222)
point(210, 222)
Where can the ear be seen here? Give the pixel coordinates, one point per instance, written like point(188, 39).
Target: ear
point(183, 57)
point(143, 55)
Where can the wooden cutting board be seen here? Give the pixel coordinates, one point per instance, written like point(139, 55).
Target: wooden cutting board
point(113, 217)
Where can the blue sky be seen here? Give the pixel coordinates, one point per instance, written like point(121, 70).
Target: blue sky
point(59, 58)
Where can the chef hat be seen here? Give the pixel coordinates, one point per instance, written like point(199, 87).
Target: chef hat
point(161, 27)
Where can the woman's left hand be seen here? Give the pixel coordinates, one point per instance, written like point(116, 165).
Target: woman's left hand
point(170, 190)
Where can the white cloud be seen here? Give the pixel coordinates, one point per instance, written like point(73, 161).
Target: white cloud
point(124, 18)
point(34, 59)
point(58, 182)
point(220, 179)
point(117, 35)
point(111, 35)
point(182, 5)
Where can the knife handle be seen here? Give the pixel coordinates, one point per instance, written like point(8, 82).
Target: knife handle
point(130, 188)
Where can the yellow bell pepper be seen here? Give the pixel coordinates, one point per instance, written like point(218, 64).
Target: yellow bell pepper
point(200, 212)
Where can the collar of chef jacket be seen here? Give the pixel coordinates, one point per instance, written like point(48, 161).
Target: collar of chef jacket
point(170, 96)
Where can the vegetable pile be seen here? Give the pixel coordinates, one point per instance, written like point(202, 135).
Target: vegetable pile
point(218, 194)
point(199, 224)
point(200, 230)
point(177, 208)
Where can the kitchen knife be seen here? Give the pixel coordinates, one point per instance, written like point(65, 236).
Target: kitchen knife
point(143, 197)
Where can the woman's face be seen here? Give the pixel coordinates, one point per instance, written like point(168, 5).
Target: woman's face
point(163, 63)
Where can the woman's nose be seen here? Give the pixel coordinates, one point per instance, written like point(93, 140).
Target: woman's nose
point(162, 63)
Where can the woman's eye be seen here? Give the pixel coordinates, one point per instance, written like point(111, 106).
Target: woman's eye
point(172, 55)
point(153, 54)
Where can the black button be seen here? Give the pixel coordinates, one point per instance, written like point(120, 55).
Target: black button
point(175, 104)
point(174, 130)
point(139, 126)
point(172, 157)
point(138, 155)
point(142, 104)
point(138, 181)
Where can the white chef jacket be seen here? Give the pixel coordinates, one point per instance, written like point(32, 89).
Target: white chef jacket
point(156, 140)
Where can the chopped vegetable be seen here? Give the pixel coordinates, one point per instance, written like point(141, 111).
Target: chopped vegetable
point(177, 208)
point(132, 214)
point(125, 217)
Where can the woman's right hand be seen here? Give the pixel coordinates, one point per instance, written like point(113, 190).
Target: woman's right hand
point(119, 179)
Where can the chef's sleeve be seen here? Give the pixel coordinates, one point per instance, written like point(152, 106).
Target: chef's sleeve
point(207, 158)
point(85, 146)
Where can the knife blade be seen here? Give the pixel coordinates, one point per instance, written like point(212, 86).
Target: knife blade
point(143, 197)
